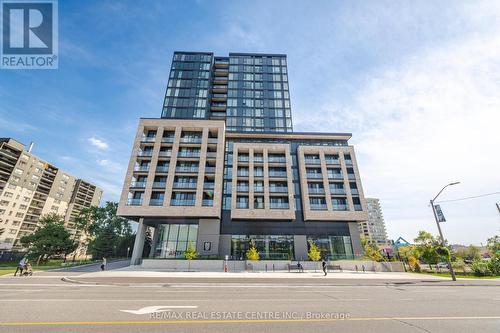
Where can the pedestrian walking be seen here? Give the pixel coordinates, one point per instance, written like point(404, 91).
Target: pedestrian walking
point(20, 266)
point(323, 264)
point(103, 264)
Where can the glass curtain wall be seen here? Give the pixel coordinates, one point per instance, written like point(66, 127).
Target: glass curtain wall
point(174, 240)
point(333, 247)
point(270, 247)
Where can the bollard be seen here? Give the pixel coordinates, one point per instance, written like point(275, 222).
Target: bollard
point(273, 267)
point(266, 268)
point(356, 268)
point(363, 266)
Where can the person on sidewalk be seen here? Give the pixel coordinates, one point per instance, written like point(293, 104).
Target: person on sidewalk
point(103, 264)
point(20, 267)
point(323, 264)
point(28, 270)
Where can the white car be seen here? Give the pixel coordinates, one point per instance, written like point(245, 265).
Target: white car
point(442, 265)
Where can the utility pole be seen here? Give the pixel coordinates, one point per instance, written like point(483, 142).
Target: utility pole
point(452, 272)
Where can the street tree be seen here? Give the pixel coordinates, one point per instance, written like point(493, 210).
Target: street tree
point(314, 253)
point(252, 253)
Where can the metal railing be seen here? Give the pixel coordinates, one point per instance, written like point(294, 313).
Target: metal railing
point(258, 159)
point(354, 191)
point(191, 140)
point(317, 206)
point(243, 174)
point(314, 175)
point(277, 174)
point(340, 207)
point(243, 158)
point(162, 169)
point(185, 185)
point(278, 189)
point(167, 153)
point(334, 190)
point(332, 161)
point(209, 169)
point(167, 139)
point(276, 159)
point(258, 189)
point(208, 186)
point(242, 188)
point(335, 176)
point(357, 207)
point(134, 202)
point(258, 174)
point(348, 162)
point(211, 154)
point(280, 205)
point(137, 184)
point(141, 168)
point(316, 190)
point(145, 153)
point(213, 140)
point(186, 169)
point(189, 154)
point(313, 161)
point(351, 176)
point(148, 139)
point(180, 202)
point(159, 184)
point(156, 202)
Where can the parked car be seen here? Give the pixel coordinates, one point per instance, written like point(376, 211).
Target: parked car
point(442, 265)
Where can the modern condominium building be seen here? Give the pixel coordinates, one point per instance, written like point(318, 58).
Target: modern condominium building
point(374, 228)
point(223, 169)
point(30, 188)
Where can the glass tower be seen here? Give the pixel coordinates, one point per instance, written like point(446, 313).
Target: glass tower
point(249, 91)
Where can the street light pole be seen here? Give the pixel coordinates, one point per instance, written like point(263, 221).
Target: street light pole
point(452, 272)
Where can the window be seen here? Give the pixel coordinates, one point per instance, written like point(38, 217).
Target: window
point(8, 194)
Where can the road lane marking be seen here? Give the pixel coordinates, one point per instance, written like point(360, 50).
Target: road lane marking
point(158, 309)
point(238, 321)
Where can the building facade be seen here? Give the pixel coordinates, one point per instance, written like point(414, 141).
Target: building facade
point(30, 188)
point(374, 228)
point(223, 169)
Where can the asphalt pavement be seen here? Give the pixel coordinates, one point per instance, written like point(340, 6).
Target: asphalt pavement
point(45, 303)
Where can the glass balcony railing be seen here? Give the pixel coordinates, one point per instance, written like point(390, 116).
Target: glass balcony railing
point(281, 174)
point(242, 174)
point(332, 161)
point(258, 189)
point(276, 159)
point(242, 205)
point(313, 161)
point(351, 176)
point(189, 154)
point(213, 140)
point(258, 159)
point(180, 202)
point(314, 175)
point(191, 140)
point(340, 207)
point(258, 205)
point(209, 169)
point(167, 139)
point(242, 188)
point(185, 185)
point(279, 205)
point(278, 189)
point(141, 168)
point(156, 202)
point(145, 153)
point(354, 191)
point(209, 186)
point(162, 169)
point(137, 184)
point(148, 139)
point(186, 169)
point(159, 184)
point(211, 154)
point(318, 206)
point(243, 158)
point(335, 176)
point(315, 190)
point(358, 207)
point(164, 153)
point(207, 202)
point(348, 162)
point(337, 190)
point(134, 202)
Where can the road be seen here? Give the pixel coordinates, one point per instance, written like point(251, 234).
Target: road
point(47, 304)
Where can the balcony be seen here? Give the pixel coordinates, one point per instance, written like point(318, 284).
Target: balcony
point(313, 161)
point(219, 97)
point(279, 205)
point(207, 202)
point(348, 162)
point(258, 174)
point(212, 154)
point(315, 190)
point(189, 154)
point(354, 191)
point(159, 184)
point(145, 153)
point(358, 207)
point(276, 159)
point(332, 161)
point(314, 176)
point(165, 153)
point(142, 168)
point(258, 189)
point(156, 202)
point(136, 184)
point(185, 185)
point(219, 88)
point(134, 202)
point(336, 191)
point(258, 159)
point(242, 188)
point(191, 140)
point(351, 176)
point(277, 174)
point(208, 186)
point(162, 169)
point(243, 158)
point(186, 169)
point(180, 202)
point(242, 205)
point(209, 169)
point(335, 176)
point(318, 206)
point(148, 139)
point(213, 140)
point(243, 173)
point(221, 72)
point(278, 189)
point(167, 139)
point(341, 207)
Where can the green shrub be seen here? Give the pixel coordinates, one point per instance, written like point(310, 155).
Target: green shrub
point(494, 265)
point(480, 268)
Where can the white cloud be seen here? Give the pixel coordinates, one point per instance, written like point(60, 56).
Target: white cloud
point(98, 143)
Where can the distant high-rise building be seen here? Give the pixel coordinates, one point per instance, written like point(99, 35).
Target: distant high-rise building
point(30, 188)
point(222, 168)
point(249, 91)
point(374, 228)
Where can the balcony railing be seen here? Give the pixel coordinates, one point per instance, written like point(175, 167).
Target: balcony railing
point(211, 154)
point(162, 169)
point(141, 168)
point(258, 174)
point(167, 153)
point(357, 207)
point(351, 176)
point(208, 186)
point(348, 162)
point(189, 154)
point(281, 174)
point(278, 189)
point(340, 207)
point(354, 191)
point(258, 205)
point(332, 161)
point(145, 153)
point(258, 189)
point(279, 205)
point(167, 139)
point(207, 202)
point(134, 202)
point(335, 176)
point(213, 140)
point(219, 87)
point(258, 159)
point(156, 202)
point(242, 188)
point(243, 174)
point(316, 190)
point(242, 205)
point(209, 169)
point(136, 184)
point(186, 169)
point(191, 140)
point(148, 139)
point(159, 184)
point(276, 159)
point(185, 185)
point(314, 175)
point(318, 206)
point(243, 158)
point(334, 190)
point(179, 202)
point(313, 161)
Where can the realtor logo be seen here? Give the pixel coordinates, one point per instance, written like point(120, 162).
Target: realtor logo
point(29, 34)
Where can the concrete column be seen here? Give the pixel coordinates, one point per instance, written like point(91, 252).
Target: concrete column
point(139, 243)
point(156, 237)
point(355, 239)
point(300, 247)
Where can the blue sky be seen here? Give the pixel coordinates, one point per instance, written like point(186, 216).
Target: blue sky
point(415, 82)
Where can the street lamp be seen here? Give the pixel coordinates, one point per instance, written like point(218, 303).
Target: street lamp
point(439, 227)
